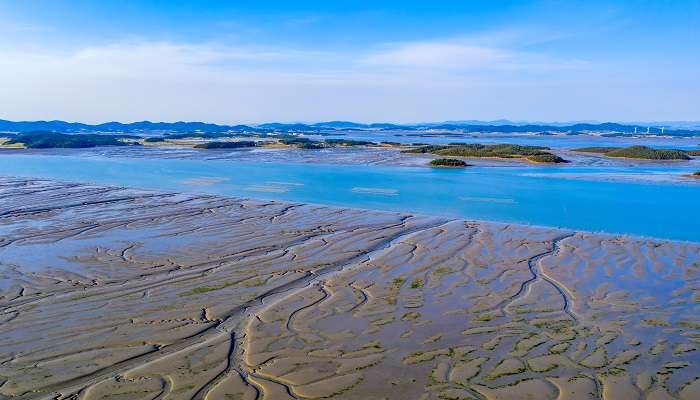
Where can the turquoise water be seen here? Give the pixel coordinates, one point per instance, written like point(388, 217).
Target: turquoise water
point(531, 195)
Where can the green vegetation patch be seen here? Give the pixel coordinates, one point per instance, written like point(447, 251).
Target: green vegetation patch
point(546, 158)
point(426, 149)
point(533, 153)
point(410, 316)
point(225, 145)
point(656, 322)
point(417, 283)
point(306, 143)
point(302, 143)
point(225, 284)
point(483, 317)
point(398, 282)
point(640, 152)
point(49, 140)
point(648, 153)
point(448, 162)
point(600, 150)
point(311, 145)
point(255, 282)
point(696, 174)
point(291, 140)
point(199, 290)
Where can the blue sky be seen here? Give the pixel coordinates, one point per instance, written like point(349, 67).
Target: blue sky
point(402, 61)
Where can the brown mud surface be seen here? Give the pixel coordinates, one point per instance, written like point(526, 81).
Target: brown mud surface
point(113, 293)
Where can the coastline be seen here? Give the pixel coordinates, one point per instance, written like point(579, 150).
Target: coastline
point(205, 181)
point(227, 281)
point(537, 195)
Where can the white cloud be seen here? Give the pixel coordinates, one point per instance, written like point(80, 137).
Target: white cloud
point(438, 80)
point(437, 55)
point(465, 56)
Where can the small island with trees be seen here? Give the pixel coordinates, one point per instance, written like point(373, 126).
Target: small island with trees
point(537, 154)
point(225, 145)
point(641, 152)
point(448, 163)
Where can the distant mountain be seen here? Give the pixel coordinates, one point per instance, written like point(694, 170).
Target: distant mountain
point(605, 127)
point(62, 126)
point(289, 127)
point(500, 122)
point(385, 126)
point(477, 122)
point(340, 125)
point(28, 126)
point(499, 126)
point(161, 126)
point(693, 125)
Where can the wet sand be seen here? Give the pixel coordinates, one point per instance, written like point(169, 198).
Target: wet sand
point(113, 293)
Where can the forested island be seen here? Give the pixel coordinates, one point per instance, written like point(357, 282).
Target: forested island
point(300, 142)
point(641, 152)
point(448, 162)
point(45, 140)
point(306, 143)
point(48, 140)
point(225, 145)
point(538, 154)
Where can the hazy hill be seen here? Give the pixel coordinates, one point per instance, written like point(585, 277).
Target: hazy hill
point(457, 126)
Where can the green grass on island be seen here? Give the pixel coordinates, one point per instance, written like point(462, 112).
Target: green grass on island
point(530, 153)
point(448, 162)
point(225, 145)
point(302, 143)
point(48, 140)
point(639, 152)
point(696, 174)
point(547, 158)
point(599, 150)
point(649, 153)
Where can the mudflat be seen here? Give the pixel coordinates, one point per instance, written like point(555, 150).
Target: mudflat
point(115, 293)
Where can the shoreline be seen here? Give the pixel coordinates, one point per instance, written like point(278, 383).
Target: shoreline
point(239, 296)
point(606, 234)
